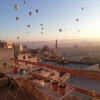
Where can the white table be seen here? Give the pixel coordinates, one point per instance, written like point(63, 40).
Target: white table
point(54, 95)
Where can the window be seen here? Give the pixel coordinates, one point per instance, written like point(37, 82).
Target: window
point(24, 57)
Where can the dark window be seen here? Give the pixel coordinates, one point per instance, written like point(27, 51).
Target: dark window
point(23, 57)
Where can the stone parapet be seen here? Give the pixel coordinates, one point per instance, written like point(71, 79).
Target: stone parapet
point(29, 87)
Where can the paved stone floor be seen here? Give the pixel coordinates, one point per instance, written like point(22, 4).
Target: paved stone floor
point(20, 96)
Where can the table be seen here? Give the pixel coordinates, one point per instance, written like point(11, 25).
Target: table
point(54, 95)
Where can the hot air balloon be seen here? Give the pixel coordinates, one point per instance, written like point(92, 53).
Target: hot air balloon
point(30, 13)
point(37, 10)
point(82, 8)
point(17, 37)
point(75, 46)
point(41, 24)
point(41, 32)
point(17, 18)
point(89, 44)
point(76, 19)
point(28, 25)
point(16, 7)
point(42, 28)
point(24, 2)
point(60, 30)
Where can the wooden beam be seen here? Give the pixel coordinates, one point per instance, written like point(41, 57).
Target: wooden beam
point(78, 89)
point(71, 71)
point(79, 73)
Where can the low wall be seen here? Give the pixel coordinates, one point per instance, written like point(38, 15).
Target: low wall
point(93, 67)
point(5, 56)
point(29, 87)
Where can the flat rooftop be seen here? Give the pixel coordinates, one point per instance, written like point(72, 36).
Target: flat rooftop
point(68, 65)
point(83, 82)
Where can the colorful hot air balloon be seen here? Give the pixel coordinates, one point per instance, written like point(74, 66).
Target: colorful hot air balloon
point(16, 7)
point(37, 10)
point(17, 18)
point(30, 13)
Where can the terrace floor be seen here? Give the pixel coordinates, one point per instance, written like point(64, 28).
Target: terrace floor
point(20, 96)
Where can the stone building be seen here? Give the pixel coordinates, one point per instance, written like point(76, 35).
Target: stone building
point(19, 48)
point(6, 45)
point(24, 56)
point(5, 56)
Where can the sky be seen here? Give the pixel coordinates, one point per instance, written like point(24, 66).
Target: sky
point(53, 15)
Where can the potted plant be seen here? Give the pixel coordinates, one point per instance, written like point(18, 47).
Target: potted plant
point(55, 85)
point(62, 88)
point(47, 83)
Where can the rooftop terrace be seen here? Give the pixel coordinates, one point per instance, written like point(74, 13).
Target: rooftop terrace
point(72, 65)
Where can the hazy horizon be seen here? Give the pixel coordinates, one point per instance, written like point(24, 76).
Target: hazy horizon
point(63, 43)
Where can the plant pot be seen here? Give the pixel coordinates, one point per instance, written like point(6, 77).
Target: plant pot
point(21, 71)
point(47, 85)
point(62, 91)
point(55, 87)
point(15, 70)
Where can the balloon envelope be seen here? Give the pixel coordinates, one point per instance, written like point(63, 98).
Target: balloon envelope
point(24, 2)
point(17, 18)
point(30, 13)
point(28, 25)
point(60, 30)
point(16, 7)
point(37, 10)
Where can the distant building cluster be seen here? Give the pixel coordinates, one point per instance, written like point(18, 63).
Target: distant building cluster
point(90, 59)
point(10, 50)
point(19, 48)
point(6, 45)
point(46, 53)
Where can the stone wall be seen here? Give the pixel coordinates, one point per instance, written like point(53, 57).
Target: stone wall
point(6, 55)
point(29, 87)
